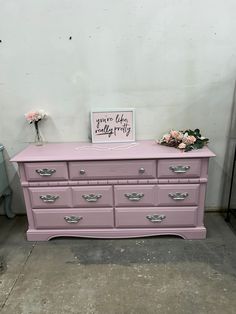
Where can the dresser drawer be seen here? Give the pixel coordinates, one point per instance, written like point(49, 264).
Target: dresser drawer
point(134, 195)
point(121, 169)
point(155, 218)
point(177, 194)
point(46, 171)
point(179, 168)
point(73, 218)
point(52, 197)
point(92, 196)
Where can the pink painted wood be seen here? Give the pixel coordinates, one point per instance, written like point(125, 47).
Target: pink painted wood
point(52, 197)
point(125, 195)
point(192, 233)
point(36, 171)
point(92, 196)
point(167, 168)
point(113, 170)
point(88, 151)
point(177, 195)
point(87, 218)
point(128, 217)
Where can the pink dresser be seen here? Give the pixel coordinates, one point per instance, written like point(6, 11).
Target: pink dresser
point(113, 190)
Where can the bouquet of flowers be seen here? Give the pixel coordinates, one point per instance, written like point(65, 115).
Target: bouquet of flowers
point(35, 117)
point(184, 140)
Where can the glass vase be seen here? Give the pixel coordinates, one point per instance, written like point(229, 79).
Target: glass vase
point(38, 137)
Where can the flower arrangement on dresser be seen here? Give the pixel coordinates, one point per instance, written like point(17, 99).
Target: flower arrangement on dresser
point(35, 117)
point(184, 140)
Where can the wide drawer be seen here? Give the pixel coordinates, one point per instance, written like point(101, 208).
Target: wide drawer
point(155, 217)
point(134, 195)
point(46, 171)
point(73, 218)
point(179, 168)
point(178, 194)
point(52, 197)
point(120, 169)
point(92, 196)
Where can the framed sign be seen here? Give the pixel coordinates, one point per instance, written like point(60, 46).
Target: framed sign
point(109, 126)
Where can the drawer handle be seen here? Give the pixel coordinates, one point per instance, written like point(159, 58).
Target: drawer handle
point(178, 196)
point(141, 170)
point(82, 171)
point(156, 218)
point(91, 197)
point(49, 198)
point(134, 197)
point(179, 169)
point(72, 219)
point(45, 172)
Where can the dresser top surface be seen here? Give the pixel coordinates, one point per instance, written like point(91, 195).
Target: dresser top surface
point(109, 151)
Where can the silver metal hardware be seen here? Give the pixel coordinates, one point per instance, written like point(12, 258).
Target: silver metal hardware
point(45, 172)
point(49, 198)
point(155, 218)
point(135, 197)
point(178, 196)
point(179, 169)
point(91, 197)
point(82, 171)
point(141, 170)
point(72, 219)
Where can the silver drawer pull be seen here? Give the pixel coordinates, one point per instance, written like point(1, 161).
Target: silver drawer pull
point(141, 170)
point(91, 197)
point(179, 169)
point(156, 218)
point(82, 171)
point(45, 172)
point(49, 198)
point(72, 219)
point(178, 196)
point(135, 197)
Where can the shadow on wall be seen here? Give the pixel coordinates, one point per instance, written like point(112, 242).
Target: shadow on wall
point(18, 205)
point(229, 156)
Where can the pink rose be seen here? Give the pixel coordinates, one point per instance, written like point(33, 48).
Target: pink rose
point(174, 133)
point(188, 140)
point(34, 116)
point(180, 136)
point(182, 146)
point(166, 138)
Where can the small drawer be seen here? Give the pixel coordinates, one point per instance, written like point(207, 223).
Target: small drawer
point(120, 169)
point(177, 194)
point(52, 197)
point(73, 218)
point(46, 171)
point(179, 168)
point(155, 217)
point(92, 196)
point(134, 195)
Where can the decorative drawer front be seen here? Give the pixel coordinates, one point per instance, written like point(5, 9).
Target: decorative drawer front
point(155, 218)
point(92, 196)
point(177, 194)
point(73, 218)
point(134, 195)
point(52, 197)
point(179, 168)
point(46, 171)
point(112, 169)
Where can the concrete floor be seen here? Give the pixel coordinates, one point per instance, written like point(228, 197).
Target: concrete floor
point(134, 276)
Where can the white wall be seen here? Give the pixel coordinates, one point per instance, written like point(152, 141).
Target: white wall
point(172, 60)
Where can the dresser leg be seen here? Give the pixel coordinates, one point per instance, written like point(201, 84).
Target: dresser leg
point(7, 195)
